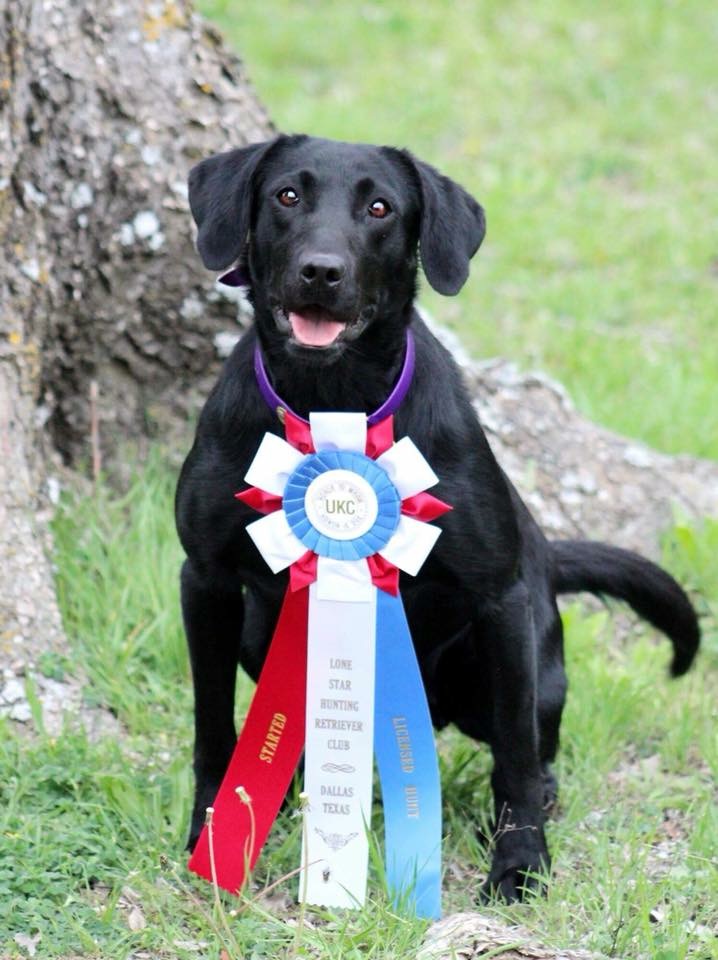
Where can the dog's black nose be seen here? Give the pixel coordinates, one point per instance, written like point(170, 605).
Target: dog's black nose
point(322, 270)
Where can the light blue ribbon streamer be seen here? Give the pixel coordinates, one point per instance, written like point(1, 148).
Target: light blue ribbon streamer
point(408, 768)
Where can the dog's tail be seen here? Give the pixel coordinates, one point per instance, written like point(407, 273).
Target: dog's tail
point(649, 590)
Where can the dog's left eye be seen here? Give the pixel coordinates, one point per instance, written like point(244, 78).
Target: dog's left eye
point(379, 209)
point(288, 197)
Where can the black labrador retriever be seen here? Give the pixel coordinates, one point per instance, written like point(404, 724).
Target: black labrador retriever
point(327, 236)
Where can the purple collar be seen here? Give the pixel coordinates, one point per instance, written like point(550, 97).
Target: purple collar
point(390, 405)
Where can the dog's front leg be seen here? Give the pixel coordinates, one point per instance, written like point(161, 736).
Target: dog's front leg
point(213, 622)
point(520, 850)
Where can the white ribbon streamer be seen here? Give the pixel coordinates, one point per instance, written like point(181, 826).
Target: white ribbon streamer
point(338, 750)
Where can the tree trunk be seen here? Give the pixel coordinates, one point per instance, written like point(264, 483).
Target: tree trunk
point(105, 108)
point(111, 331)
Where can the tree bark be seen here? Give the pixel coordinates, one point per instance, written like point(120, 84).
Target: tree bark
point(112, 332)
point(105, 108)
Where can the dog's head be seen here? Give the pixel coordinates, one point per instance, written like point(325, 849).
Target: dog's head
point(329, 234)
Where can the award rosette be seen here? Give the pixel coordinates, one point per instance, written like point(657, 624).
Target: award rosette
point(345, 510)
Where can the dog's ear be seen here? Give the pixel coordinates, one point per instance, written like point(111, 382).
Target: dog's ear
point(220, 198)
point(452, 228)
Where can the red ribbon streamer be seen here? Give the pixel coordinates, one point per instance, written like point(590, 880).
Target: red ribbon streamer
point(298, 433)
point(303, 571)
point(384, 575)
point(265, 757)
point(424, 506)
point(259, 500)
point(379, 437)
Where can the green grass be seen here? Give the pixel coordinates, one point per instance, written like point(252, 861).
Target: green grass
point(90, 830)
point(590, 134)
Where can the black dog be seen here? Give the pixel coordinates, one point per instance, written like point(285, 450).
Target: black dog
point(328, 236)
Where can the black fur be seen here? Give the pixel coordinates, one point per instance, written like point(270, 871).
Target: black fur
point(483, 609)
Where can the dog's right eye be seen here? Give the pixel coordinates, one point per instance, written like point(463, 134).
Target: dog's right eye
point(288, 197)
point(379, 209)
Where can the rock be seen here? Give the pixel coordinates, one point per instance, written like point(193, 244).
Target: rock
point(12, 692)
point(465, 936)
point(20, 712)
point(579, 479)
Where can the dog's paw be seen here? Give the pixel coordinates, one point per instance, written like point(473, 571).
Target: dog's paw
point(519, 867)
point(512, 884)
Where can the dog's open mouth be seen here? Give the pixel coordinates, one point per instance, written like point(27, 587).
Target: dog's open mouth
point(315, 326)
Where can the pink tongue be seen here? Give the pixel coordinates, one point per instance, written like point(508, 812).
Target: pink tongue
point(315, 327)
